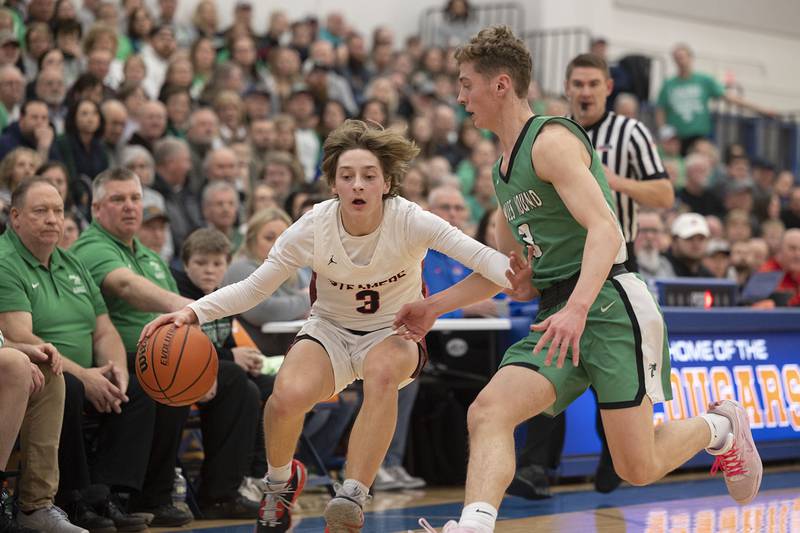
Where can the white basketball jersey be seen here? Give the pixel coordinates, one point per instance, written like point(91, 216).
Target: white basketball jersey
point(365, 298)
point(364, 294)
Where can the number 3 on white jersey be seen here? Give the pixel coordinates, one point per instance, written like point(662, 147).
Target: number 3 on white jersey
point(525, 231)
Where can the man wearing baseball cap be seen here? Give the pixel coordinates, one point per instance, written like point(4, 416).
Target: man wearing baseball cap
point(690, 235)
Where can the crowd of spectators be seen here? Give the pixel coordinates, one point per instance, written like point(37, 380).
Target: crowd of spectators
point(223, 128)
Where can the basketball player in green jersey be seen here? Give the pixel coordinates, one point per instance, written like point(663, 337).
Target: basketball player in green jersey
point(597, 325)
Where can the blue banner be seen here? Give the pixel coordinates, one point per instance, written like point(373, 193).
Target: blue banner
point(749, 356)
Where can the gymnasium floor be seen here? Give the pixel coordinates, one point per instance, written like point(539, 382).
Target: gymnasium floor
point(684, 503)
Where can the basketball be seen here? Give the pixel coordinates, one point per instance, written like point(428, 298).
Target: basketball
point(176, 366)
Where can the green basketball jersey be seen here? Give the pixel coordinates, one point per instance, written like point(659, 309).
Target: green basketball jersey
point(537, 215)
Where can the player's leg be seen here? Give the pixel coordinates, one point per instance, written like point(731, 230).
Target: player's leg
point(515, 393)
point(629, 369)
point(386, 366)
point(522, 388)
point(627, 387)
point(643, 454)
point(15, 382)
point(304, 379)
point(491, 420)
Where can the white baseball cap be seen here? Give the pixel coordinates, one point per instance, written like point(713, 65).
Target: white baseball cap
point(688, 225)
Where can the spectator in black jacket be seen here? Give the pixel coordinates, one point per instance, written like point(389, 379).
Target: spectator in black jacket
point(173, 164)
point(32, 130)
point(81, 146)
point(696, 194)
point(230, 416)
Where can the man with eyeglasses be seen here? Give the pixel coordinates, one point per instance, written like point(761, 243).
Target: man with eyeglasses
point(441, 271)
point(649, 246)
point(12, 94)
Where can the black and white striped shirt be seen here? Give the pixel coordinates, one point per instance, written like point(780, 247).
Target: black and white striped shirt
point(626, 146)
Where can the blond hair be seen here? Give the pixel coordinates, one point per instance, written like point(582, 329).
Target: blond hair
point(10, 161)
point(254, 226)
point(495, 50)
point(393, 150)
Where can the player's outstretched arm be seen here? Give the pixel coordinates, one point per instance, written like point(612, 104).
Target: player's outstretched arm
point(179, 318)
point(414, 320)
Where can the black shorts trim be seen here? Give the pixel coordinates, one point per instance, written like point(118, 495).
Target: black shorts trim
point(360, 333)
point(421, 348)
point(422, 353)
point(637, 338)
point(620, 405)
point(307, 337)
point(529, 366)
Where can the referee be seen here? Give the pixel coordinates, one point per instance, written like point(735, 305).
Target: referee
point(636, 174)
point(633, 167)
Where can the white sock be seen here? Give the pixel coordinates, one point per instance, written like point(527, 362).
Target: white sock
point(353, 488)
point(480, 516)
point(277, 476)
point(720, 428)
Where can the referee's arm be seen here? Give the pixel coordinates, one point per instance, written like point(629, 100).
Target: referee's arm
point(655, 193)
point(653, 188)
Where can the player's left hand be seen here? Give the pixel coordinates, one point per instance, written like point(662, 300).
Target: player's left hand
point(519, 275)
point(562, 330)
point(414, 320)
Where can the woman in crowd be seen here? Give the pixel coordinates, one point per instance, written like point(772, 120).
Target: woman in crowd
point(81, 148)
point(291, 300)
point(283, 173)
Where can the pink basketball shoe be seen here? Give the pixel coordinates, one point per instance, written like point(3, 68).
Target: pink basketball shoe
point(738, 458)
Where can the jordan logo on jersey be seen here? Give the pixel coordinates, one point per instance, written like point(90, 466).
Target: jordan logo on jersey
point(331, 261)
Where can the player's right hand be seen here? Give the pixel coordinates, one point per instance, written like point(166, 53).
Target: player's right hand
point(414, 320)
point(519, 274)
point(179, 318)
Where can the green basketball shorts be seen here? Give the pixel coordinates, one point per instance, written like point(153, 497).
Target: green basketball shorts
point(624, 351)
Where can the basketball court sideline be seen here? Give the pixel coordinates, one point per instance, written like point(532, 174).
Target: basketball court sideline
point(682, 503)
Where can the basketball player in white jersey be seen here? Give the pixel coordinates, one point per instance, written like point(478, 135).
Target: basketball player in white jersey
point(366, 248)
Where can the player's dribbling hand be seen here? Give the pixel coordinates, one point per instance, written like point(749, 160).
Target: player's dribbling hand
point(519, 275)
point(179, 318)
point(414, 320)
point(563, 331)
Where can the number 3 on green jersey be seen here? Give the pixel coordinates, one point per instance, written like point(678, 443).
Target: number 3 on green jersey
point(527, 235)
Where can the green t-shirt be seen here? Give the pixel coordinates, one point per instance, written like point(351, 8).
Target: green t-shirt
point(103, 253)
point(3, 117)
point(63, 300)
point(536, 213)
point(685, 102)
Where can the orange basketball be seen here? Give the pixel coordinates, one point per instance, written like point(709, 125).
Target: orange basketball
point(176, 365)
